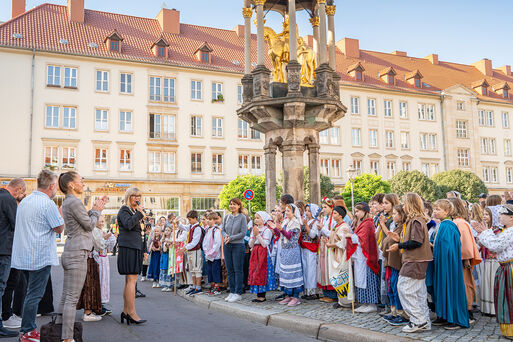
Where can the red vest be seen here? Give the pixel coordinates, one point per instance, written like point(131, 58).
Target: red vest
point(191, 235)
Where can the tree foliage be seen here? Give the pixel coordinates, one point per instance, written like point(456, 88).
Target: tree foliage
point(414, 181)
point(465, 182)
point(364, 187)
point(327, 187)
point(236, 188)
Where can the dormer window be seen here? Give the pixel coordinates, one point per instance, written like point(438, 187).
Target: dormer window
point(356, 71)
point(414, 78)
point(204, 53)
point(388, 75)
point(502, 89)
point(481, 87)
point(114, 41)
point(159, 48)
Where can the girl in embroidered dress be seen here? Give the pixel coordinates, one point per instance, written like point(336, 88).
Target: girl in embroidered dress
point(261, 270)
point(164, 277)
point(291, 272)
point(324, 228)
point(102, 259)
point(155, 247)
point(309, 243)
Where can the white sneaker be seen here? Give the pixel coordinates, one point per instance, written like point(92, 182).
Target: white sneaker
point(235, 298)
point(12, 323)
point(228, 297)
point(143, 278)
point(92, 318)
point(156, 285)
point(367, 308)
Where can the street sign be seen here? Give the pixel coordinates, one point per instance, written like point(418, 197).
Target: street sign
point(249, 194)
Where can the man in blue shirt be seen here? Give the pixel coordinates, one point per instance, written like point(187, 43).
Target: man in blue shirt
point(35, 248)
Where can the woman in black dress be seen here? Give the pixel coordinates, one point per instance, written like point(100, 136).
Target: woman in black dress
point(130, 253)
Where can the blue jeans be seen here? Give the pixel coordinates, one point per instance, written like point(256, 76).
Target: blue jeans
point(234, 261)
point(5, 269)
point(36, 285)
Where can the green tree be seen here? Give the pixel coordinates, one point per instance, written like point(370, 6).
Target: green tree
point(414, 181)
point(465, 182)
point(364, 187)
point(327, 187)
point(236, 188)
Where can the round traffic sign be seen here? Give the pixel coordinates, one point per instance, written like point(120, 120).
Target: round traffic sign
point(249, 194)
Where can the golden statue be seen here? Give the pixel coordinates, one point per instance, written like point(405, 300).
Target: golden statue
point(278, 49)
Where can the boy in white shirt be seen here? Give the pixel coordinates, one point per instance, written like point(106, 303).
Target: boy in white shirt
point(212, 244)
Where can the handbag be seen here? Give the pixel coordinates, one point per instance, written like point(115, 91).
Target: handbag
point(51, 332)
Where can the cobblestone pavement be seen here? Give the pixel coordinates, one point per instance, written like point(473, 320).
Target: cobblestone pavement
point(484, 329)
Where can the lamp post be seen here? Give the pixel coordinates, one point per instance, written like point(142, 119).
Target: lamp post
point(351, 172)
point(87, 193)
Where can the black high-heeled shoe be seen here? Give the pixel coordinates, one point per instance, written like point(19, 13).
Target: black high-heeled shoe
point(123, 317)
point(131, 320)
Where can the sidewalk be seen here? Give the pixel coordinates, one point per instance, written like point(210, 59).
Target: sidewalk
point(321, 321)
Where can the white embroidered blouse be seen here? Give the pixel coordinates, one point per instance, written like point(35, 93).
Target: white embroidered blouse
point(502, 243)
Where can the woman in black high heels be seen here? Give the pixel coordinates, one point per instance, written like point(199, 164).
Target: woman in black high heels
point(130, 253)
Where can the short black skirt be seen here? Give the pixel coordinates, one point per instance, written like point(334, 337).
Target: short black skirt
point(129, 260)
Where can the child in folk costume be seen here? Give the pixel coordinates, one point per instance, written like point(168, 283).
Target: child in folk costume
point(362, 247)
point(155, 248)
point(324, 229)
point(309, 243)
point(340, 270)
point(192, 249)
point(176, 263)
point(164, 277)
point(146, 248)
point(392, 264)
point(212, 244)
point(102, 259)
point(261, 271)
point(291, 272)
point(502, 244)
point(469, 252)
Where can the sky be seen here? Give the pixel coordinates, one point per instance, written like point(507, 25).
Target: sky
point(461, 31)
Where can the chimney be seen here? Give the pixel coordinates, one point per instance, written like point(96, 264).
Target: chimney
point(169, 20)
point(76, 11)
point(506, 69)
point(17, 7)
point(239, 29)
point(485, 66)
point(399, 53)
point(433, 58)
point(350, 47)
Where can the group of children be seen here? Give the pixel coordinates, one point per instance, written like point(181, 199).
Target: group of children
point(413, 258)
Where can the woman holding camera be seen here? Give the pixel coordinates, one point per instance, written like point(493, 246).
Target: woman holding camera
point(130, 255)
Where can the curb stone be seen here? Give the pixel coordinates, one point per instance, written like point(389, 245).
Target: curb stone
point(299, 324)
point(342, 332)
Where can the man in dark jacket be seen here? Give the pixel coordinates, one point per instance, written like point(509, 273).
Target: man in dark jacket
point(9, 199)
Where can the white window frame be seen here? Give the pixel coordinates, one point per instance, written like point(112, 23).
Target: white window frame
point(373, 137)
point(324, 137)
point(53, 78)
point(196, 126)
point(196, 163)
point(54, 119)
point(325, 166)
point(356, 135)
point(406, 166)
point(481, 117)
point(169, 162)
point(70, 77)
point(355, 105)
point(243, 164)
point(461, 129)
point(336, 169)
point(125, 86)
point(125, 159)
point(217, 127)
point(53, 155)
point(403, 110)
point(101, 163)
point(256, 164)
point(509, 175)
point(243, 129)
point(486, 174)
point(154, 162)
point(68, 152)
point(463, 157)
point(217, 163)
point(357, 165)
point(168, 89)
point(391, 168)
point(387, 108)
point(155, 88)
point(389, 139)
point(371, 107)
point(405, 140)
point(505, 119)
point(460, 105)
point(125, 121)
point(507, 147)
point(490, 118)
point(101, 123)
point(334, 136)
point(102, 81)
point(374, 167)
point(240, 98)
point(196, 90)
point(69, 115)
point(217, 89)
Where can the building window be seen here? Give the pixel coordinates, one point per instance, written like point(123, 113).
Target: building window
point(243, 164)
point(217, 163)
point(324, 136)
point(335, 136)
point(505, 93)
point(461, 129)
point(51, 157)
point(101, 122)
point(505, 120)
point(169, 159)
point(389, 139)
point(509, 175)
point(204, 57)
point(255, 135)
point(114, 45)
point(488, 146)
point(256, 165)
point(155, 88)
point(507, 147)
point(486, 174)
point(426, 169)
point(406, 166)
point(335, 168)
point(371, 107)
point(125, 160)
point(460, 105)
point(100, 160)
point(373, 138)
point(390, 169)
point(69, 118)
point(155, 162)
point(355, 134)
point(168, 128)
point(494, 174)
point(426, 112)
point(239, 94)
point(390, 79)
point(125, 83)
point(202, 204)
point(70, 77)
point(169, 90)
point(482, 118)
point(325, 167)
point(359, 76)
point(428, 142)
point(196, 162)
point(217, 127)
point(125, 121)
point(53, 76)
point(355, 105)
point(388, 108)
point(463, 157)
point(217, 91)
point(102, 80)
point(417, 83)
point(403, 110)
point(405, 140)
point(490, 118)
point(68, 157)
point(196, 90)
point(161, 51)
point(374, 167)
point(52, 117)
point(196, 123)
point(243, 129)
point(162, 127)
point(155, 126)
point(357, 165)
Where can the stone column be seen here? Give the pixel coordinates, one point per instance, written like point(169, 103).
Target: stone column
point(293, 67)
point(261, 75)
point(260, 31)
point(270, 177)
point(322, 31)
point(292, 31)
point(247, 80)
point(314, 173)
point(315, 28)
point(293, 173)
point(330, 11)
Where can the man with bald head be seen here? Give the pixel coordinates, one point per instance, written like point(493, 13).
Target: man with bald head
point(9, 199)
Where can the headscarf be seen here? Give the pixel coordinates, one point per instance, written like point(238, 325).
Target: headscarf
point(297, 213)
point(315, 210)
point(495, 215)
point(265, 216)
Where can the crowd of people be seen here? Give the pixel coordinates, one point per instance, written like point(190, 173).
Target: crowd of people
point(416, 263)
